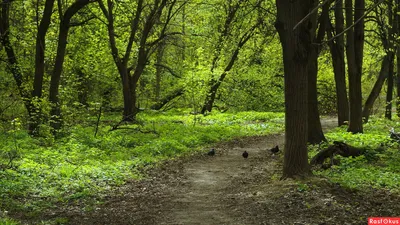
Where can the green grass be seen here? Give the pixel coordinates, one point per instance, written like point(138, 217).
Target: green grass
point(379, 167)
point(47, 172)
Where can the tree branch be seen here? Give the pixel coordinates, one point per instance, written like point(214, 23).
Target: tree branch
point(355, 23)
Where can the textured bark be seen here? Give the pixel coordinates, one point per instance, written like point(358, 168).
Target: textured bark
point(376, 90)
point(336, 47)
point(296, 45)
point(354, 51)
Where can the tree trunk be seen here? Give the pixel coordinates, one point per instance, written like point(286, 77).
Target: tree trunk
point(392, 30)
point(296, 45)
point(129, 107)
point(398, 82)
point(55, 112)
point(354, 51)
point(315, 133)
point(376, 90)
point(214, 84)
point(389, 93)
point(159, 69)
point(168, 98)
point(35, 119)
point(12, 62)
point(396, 24)
point(339, 68)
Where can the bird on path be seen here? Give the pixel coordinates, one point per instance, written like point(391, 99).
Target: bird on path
point(245, 154)
point(211, 152)
point(275, 149)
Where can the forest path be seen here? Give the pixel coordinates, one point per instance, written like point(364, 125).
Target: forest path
point(228, 189)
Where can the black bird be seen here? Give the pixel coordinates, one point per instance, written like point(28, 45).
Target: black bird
point(245, 154)
point(275, 149)
point(211, 152)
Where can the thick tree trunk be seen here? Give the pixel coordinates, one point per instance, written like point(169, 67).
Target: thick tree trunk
point(376, 90)
point(354, 51)
point(296, 45)
point(339, 68)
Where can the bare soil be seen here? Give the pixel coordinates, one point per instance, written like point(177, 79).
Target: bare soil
point(228, 189)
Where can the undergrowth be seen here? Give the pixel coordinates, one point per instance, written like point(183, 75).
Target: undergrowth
point(377, 168)
point(40, 173)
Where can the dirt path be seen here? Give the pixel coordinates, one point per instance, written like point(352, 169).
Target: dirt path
point(228, 189)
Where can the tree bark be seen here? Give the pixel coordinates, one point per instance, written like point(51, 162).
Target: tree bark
point(159, 69)
point(315, 133)
point(354, 51)
point(389, 93)
point(296, 45)
point(55, 112)
point(39, 66)
point(392, 30)
point(339, 68)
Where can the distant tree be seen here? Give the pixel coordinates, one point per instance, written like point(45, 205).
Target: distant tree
point(385, 19)
point(144, 37)
point(336, 46)
point(242, 19)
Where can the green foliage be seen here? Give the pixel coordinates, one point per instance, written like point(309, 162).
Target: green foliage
point(79, 165)
point(378, 167)
point(8, 221)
